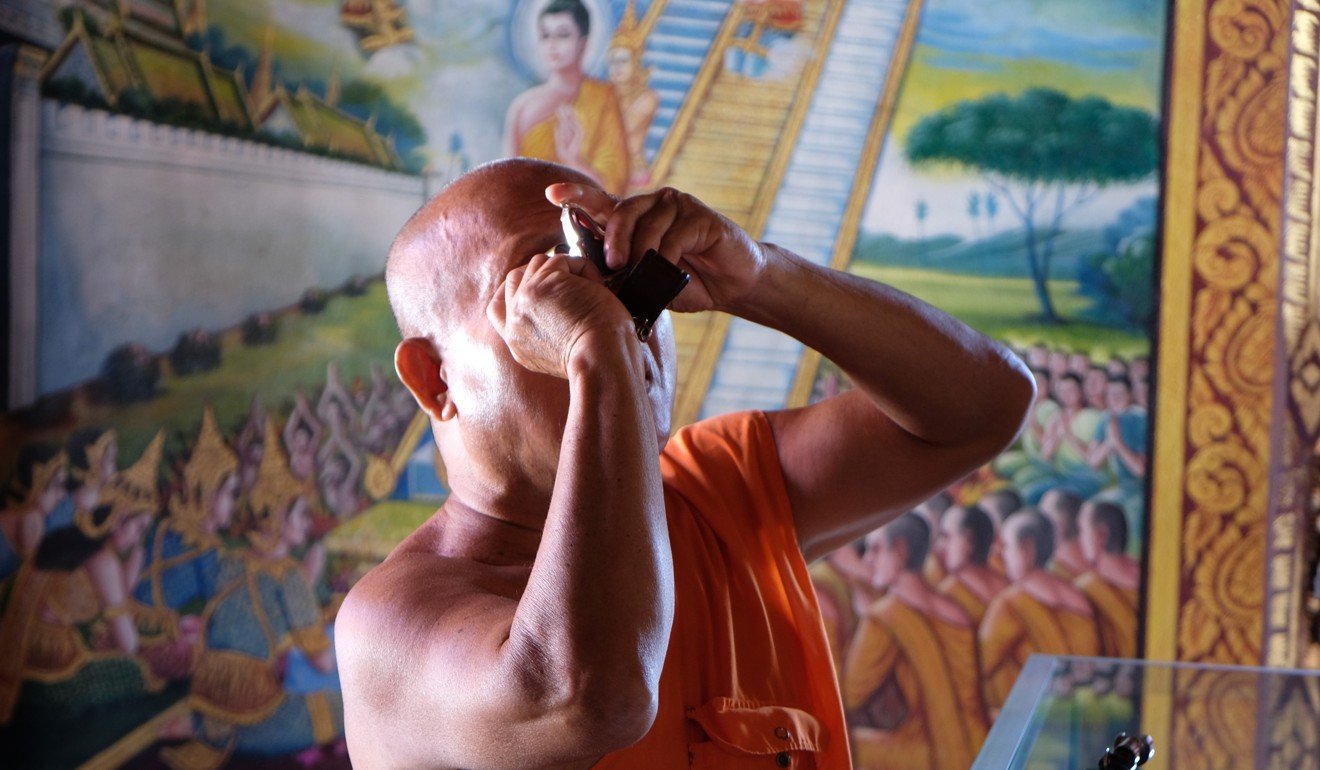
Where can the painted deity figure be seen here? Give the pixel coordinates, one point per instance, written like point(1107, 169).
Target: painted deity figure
point(69, 628)
point(570, 119)
point(637, 100)
point(181, 564)
point(39, 489)
point(93, 458)
point(910, 678)
point(265, 610)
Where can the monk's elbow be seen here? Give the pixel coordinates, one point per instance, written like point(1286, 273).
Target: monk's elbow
point(614, 713)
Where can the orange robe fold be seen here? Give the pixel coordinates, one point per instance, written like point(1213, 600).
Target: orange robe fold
point(932, 666)
point(1116, 615)
point(1017, 624)
point(748, 676)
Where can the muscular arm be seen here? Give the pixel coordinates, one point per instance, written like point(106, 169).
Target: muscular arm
point(934, 399)
point(440, 670)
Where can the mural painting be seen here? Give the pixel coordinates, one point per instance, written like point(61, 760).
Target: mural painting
point(1017, 190)
point(203, 446)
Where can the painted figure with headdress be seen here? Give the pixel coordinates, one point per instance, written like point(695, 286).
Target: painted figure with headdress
point(265, 614)
point(180, 570)
point(93, 458)
point(36, 492)
point(638, 102)
point(69, 629)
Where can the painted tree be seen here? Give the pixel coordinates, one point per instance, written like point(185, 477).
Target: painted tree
point(923, 210)
point(974, 211)
point(991, 209)
point(1045, 153)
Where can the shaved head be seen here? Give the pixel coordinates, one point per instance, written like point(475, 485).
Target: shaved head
point(449, 257)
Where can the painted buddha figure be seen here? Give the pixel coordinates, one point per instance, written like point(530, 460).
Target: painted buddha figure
point(570, 119)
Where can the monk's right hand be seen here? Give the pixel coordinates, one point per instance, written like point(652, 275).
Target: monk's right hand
point(553, 308)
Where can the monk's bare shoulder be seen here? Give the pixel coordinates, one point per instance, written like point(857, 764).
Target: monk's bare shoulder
point(418, 617)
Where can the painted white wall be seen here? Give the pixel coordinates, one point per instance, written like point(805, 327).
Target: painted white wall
point(148, 230)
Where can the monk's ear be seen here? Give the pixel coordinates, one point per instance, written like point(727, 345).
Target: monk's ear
point(418, 364)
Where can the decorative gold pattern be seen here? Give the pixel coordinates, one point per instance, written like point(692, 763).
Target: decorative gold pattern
point(1229, 380)
point(1216, 724)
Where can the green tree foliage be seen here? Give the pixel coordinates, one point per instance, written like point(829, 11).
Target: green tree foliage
point(1045, 153)
point(1123, 283)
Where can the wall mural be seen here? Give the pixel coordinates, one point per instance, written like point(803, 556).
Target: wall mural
point(204, 448)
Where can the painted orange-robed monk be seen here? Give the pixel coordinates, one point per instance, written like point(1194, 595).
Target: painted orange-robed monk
point(1062, 507)
point(1038, 613)
point(965, 538)
point(592, 592)
point(1114, 578)
point(910, 681)
point(932, 510)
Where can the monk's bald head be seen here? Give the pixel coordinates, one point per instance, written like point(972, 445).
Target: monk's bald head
point(454, 251)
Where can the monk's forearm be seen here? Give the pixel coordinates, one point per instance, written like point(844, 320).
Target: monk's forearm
point(599, 601)
point(934, 376)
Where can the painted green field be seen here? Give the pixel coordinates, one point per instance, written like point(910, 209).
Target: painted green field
point(355, 332)
point(1006, 309)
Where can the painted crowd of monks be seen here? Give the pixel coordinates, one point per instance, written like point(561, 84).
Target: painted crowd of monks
point(202, 574)
point(932, 617)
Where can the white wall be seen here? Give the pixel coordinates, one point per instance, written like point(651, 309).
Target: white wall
point(147, 230)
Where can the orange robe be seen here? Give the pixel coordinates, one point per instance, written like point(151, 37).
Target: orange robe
point(933, 570)
point(957, 589)
point(1063, 571)
point(604, 142)
point(1016, 624)
point(1116, 614)
point(748, 676)
point(902, 661)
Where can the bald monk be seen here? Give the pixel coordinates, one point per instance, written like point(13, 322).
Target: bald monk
point(1061, 507)
point(1114, 577)
point(910, 679)
point(965, 538)
point(1040, 612)
point(592, 593)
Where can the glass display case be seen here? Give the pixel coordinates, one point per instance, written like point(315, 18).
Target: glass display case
point(1065, 712)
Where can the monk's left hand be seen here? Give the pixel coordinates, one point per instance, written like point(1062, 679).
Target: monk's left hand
point(724, 261)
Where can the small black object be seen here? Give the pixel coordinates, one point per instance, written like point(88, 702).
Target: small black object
point(645, 291)
point(649, 288)
point(1128, 752)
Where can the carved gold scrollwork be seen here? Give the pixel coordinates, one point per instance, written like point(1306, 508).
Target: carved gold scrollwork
point(1232, 343)
point(1218, 727)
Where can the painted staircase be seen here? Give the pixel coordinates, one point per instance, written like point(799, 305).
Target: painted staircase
point(828, 177)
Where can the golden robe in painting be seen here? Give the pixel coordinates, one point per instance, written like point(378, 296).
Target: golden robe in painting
point(1016, 625)
point(1116, 615)
point(911, 680)
point(604, 144)
point(957, 589)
